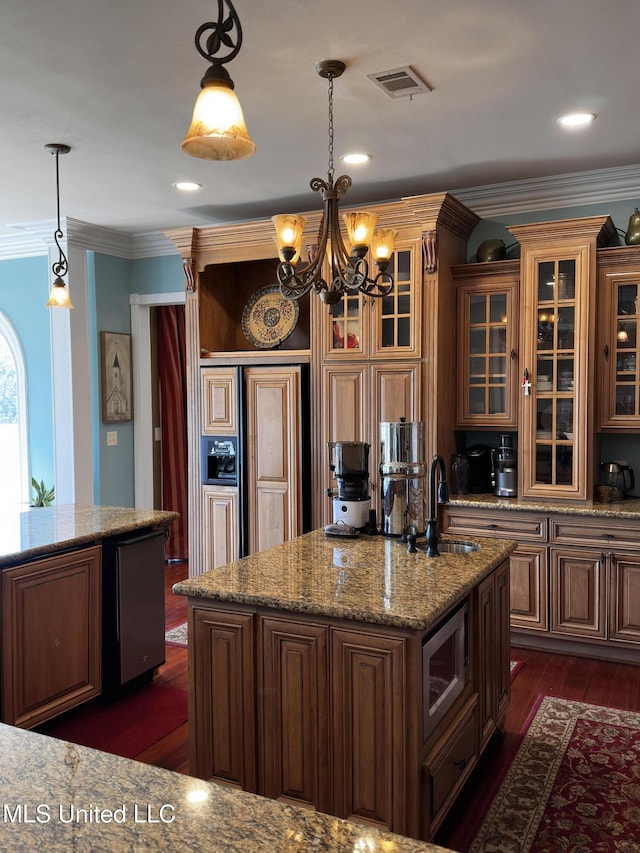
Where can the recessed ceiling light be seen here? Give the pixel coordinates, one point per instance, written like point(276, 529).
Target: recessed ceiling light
point(576, 119)
point(356, 159)
point(187, 186)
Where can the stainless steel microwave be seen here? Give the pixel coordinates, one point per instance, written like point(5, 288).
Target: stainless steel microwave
point(445, 668)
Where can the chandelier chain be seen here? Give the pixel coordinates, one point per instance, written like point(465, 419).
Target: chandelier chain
point(331, 169)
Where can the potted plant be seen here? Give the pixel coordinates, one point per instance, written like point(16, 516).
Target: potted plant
point(44, 496)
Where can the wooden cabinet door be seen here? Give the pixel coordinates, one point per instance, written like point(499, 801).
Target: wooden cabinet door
point(274, 487)
point(578, 592)
point(618, 339)
point(51, 636)
point(487, 315)
point(367, 713)
point(222, 736)
point(221, 525)
point(557, 351)
point(396, 319)
point(345, 416)
point(624, 597)
point(219, 390)
point(529, 587)
point(294, 731)
point(493, 674)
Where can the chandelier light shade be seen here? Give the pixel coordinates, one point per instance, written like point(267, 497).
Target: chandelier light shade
point(218, 130)
point(58, 295)
point(333, 269)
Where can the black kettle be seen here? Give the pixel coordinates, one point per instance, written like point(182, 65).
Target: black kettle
point(619, 477)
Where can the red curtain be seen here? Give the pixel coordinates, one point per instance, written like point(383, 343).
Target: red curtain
point(172, 357)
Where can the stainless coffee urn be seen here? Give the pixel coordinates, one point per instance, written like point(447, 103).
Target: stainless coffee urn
point(403, 475)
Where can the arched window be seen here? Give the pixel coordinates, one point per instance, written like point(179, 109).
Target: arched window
point(14, 480)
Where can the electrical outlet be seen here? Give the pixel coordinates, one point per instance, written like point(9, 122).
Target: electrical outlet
point(112, 439)
point(157, 434)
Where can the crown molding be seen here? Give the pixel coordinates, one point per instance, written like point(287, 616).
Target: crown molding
point(549, 193)
point(571, 190)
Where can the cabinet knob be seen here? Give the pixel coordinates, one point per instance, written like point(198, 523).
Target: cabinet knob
point(606, 350)
point(460, 765)
point(512, 354)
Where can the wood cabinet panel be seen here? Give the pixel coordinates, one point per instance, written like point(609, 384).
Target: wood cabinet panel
point(51, 636)
point(624, 598)
point(487, 332)
point(448, 767)
point(219, 394)
point(221, 524)
point(295, 690)
point(368, 723)
point(222, 698)
point(522, 526)
point(579, 593)
point(274, 455)
point(529, 590)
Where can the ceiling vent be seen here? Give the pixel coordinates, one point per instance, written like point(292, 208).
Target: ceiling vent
point(399, 82)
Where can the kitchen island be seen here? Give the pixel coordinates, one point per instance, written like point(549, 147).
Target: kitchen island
point(349, 675)
point(51, 576)
point(60, 797)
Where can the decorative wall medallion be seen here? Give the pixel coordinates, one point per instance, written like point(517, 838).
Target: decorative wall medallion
point(269, 318)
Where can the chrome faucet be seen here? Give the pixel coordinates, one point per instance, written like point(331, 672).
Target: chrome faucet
point(432, 536)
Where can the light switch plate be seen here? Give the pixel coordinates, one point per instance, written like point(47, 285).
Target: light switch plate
point(112, 438)
point(157, 433)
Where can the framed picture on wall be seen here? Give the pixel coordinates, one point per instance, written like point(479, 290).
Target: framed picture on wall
point(115, 360)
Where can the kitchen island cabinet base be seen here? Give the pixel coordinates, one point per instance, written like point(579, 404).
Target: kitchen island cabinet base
point(327, 713)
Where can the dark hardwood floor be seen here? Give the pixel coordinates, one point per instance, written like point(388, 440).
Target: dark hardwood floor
point(582, 679)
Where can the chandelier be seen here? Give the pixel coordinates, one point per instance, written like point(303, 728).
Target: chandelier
point(218, 130)
point(59, 295)
point(345, 271)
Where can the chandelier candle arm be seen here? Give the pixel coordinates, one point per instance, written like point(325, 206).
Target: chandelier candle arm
point(348, 270)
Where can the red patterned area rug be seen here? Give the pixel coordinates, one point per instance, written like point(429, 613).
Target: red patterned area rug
point(573, 787)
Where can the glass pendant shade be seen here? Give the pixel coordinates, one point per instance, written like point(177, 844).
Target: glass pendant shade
point(289, 228)
point(360, 225)
point(59, 295)
point(382, 244)
point(218, 130)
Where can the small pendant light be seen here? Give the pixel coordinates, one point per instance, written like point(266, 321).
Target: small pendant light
point(59, 295)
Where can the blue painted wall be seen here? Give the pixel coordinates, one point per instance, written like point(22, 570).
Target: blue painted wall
point(24, 290)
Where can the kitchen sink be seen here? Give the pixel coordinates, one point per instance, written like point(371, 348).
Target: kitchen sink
point(457, 547)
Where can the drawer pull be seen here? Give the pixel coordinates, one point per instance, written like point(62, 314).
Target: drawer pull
point(493, 526)
point(460, 765)
point(608, 536)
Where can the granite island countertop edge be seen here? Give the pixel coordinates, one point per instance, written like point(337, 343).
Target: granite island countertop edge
point(388, 586)
point(43, 531)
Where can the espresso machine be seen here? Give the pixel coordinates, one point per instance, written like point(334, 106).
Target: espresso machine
point(349, 464)
point(402, 478)
point(505, 468)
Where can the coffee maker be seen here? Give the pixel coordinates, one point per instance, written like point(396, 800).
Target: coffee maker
point(349, 464)
point(504, 460)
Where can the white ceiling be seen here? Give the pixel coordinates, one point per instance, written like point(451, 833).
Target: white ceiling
point(117, 79)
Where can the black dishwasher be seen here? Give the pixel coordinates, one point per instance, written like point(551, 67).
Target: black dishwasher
point(133, 615)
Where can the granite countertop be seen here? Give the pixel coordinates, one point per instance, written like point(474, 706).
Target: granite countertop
point(29, 533)
point(59, 797)
point(628, 508)
point(369, 579)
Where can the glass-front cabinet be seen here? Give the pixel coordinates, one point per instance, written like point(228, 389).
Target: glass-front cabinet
point(487, 313)
point(619, 345)
point(359, 327)
point(558, 350)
